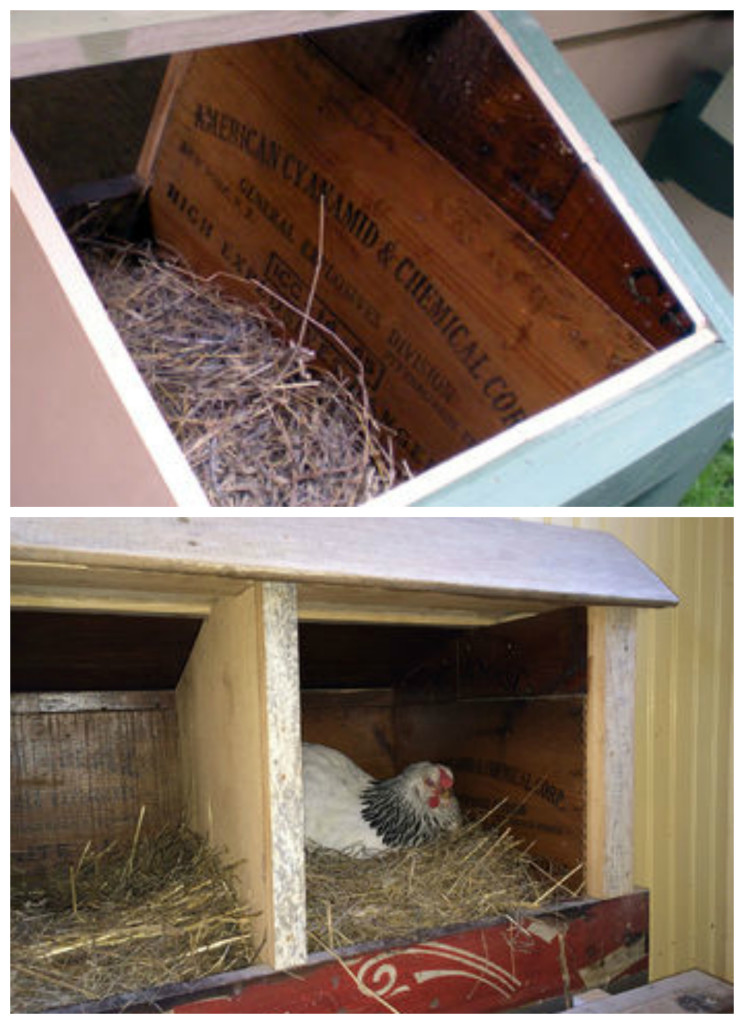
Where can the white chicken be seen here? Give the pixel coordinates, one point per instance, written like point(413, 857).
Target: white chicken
point(348, 810)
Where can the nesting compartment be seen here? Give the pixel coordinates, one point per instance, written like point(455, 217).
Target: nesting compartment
point(94, 730)
point(473, 260)
point(504, 706)
point(91, 747)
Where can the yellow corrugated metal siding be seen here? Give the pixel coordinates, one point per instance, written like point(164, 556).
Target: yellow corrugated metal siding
point(684, 739)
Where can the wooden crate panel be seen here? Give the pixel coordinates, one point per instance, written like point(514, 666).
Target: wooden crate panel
point(542, 654)
point(545, 654)
point(449, 78)
point(588, 236)
point(83, 765)
point(360, 723)
point(71, 651)
point(463, 324)
point(530, 752)
point(347, 654)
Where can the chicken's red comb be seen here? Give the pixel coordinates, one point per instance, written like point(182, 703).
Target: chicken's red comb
point(446, 781)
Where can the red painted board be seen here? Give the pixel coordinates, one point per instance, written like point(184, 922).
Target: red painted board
point(488, 968)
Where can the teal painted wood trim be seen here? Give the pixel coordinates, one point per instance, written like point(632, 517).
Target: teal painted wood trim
point(618, 454)
point(642, 448)
point(663, 475)
point(673, 488)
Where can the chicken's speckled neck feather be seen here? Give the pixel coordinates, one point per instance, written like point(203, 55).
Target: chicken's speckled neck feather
point(400, 818)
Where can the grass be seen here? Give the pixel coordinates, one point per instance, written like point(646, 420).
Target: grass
point(715, 485)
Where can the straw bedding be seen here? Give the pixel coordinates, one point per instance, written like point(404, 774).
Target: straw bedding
point(160, 910)
point(163, 909)
point(259, 423)
point(477, 873)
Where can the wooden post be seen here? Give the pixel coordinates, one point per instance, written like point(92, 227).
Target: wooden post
point(238, 708)
point(609, 731)
point(286, 812)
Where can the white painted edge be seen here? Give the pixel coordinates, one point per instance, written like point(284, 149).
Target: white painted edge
point(542, 423)
point(103, 337)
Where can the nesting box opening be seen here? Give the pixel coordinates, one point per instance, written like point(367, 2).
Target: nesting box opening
point(95, 727)
point(504, 708)
point(409, 209)
point(113, 890)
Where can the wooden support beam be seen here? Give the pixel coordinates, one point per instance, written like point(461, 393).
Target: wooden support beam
point(238, 710)
point(278, 617)
point(610, 720)
point(49, 586)
point(332, 603)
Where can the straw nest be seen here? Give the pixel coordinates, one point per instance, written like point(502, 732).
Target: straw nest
point(258, 421)
point(162, 909)
point(476, 873)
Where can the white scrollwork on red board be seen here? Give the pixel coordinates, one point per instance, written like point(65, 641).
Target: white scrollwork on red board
point(390, 973)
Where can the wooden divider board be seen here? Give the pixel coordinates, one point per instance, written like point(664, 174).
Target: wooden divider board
point(463, 324)
point(238, 714)
point(528, 752)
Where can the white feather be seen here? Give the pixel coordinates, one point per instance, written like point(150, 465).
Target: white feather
point(333, 790)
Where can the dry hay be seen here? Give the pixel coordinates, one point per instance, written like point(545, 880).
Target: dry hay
point(476, 873)
point(162, 909)
point(258, 424)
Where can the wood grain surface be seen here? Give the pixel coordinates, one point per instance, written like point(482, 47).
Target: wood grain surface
point(463, 324)
point(83, 766)
point(71, 651)
point(497, 558)
point(448, 77)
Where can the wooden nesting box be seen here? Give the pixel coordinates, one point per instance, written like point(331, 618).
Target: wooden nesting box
point(434, 184)
point(179, 662)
